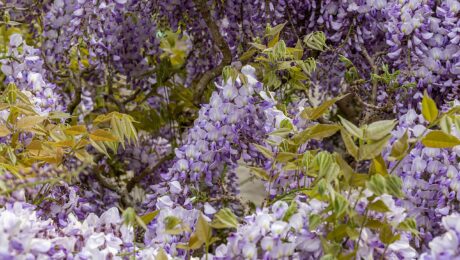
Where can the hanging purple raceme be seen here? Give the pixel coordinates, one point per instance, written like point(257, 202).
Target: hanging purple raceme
point(430, 179)
point(447, 245)
point(25, 235)
point(25, 68)
point(222, 134)
point(423, 39)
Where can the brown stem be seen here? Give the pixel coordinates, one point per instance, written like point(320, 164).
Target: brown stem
point(76, 81)
point(136, 179)
point(220, 42)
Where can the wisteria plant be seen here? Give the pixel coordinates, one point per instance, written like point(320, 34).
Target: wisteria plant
point(230, 129)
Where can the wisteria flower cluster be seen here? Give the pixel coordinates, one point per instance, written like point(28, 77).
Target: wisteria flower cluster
point(146, 129)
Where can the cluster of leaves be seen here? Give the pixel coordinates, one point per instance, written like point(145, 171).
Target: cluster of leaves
point(34, 139)
point(282, 68)
point(203, 236)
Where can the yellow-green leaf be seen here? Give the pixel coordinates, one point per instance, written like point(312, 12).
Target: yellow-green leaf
point(400, 147)
point(349, 144)
point(440, 139)
point(75, 130)
point(35, 145)
point(370, 151)
point(379, 166)
point(264, 151)
point(161, 255)
point(29, 122)
point(285, 156)
point(317, 132)
point(351, 128)
point(203, 229)
point(99, 147)
point(194, 242)
point(344, 167)
point(259, 172)
point(4, 131)
point(379, 129)
point(317, 112)
point(225, 219)
point(102, 136)
point(65, 143)
point(429, 109)
point(410, 225)
point(147, 218)
point(378, 206)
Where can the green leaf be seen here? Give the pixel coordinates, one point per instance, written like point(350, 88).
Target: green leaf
point(429, 110)
point(345, 61)
point(264, 151)
point(339, 205)
point(248, 54)
point(259, 172)
point(224, 219)
point(285, 156)
point(378, 166)
point(379, 129)
point(445, 123)
point(100, 147)
point(320, 131)
point(281, 132)
point(317, 132)
point(394, 186)
point(345, 167)
point(338, 233)
point(390, 184)
point(352, 233)
point(351, 128)
point(378, 206)
point(275, 30)
point(280, 49)
point(386, 235)
point(314, 221)
point(171, 224)
point(409, 225)
point(440, 139)
point(129, 216)
point(400, 147)
point(315, 41)
point(373, 224)
point(377, 184)
point(290, 211)
point(101, 135)
point(370, 151)
point(317, 112)
point(349, 144)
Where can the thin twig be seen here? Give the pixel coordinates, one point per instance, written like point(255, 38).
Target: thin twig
point(220, 42)
point(371, 62)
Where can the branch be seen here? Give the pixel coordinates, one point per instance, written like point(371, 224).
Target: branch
point(220, 42)
point(371, 62)
point(136, 179)
point(77, 85)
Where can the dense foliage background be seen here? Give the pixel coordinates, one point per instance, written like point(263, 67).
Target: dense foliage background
point(125, 125)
